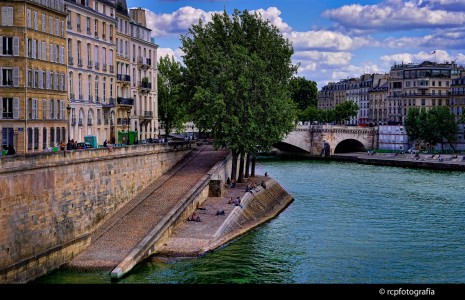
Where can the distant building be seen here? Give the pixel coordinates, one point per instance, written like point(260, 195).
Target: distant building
point(393, 138)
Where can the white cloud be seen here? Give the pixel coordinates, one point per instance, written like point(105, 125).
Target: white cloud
point(396, 15)
point(273, 15)
point(324, 40)
point(439, 56)
point(178, 53)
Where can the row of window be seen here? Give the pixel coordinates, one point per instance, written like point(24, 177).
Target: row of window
point(48, 80)
point(95, 30)
point(52, 109)
point(55, 26)
point(56, 136)
point(80, 84)
point(38, 50)
point(92, 55)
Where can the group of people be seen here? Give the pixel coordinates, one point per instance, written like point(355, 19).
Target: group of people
point(236, 201)
point(253, 185)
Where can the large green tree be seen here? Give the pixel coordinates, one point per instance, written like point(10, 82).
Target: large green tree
point(433, 126)
point(172, 108)
point(238, 70)
point(303, 92)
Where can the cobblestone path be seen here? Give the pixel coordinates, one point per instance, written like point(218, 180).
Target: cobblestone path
point(112, 241)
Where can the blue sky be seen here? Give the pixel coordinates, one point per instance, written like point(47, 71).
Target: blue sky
point(332, 39)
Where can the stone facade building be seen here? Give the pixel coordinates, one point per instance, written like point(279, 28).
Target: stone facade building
point(91, 26)
point(33, 68)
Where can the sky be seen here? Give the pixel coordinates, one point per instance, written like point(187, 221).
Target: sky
point(332, 39)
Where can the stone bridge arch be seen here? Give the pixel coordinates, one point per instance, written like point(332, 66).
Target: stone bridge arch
point(308, 140)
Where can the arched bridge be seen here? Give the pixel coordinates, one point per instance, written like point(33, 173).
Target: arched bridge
point(311, 139)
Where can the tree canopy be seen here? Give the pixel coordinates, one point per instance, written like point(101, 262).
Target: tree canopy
point(340, 113)
point(172, 111)
point(303, 92)
point(433, 126)
point(238, 70)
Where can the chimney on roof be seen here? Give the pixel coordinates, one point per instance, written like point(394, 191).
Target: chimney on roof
point(138, 15)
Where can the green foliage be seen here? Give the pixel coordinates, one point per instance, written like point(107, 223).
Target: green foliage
point(172, 109)
point(237, 73)
point(432, 126)
point(341, 112)
point(303, 92)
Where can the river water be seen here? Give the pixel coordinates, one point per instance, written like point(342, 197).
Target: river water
point(349, 223)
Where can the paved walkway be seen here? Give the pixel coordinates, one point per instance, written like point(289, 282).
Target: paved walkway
point(192, 238)
point(121, 233)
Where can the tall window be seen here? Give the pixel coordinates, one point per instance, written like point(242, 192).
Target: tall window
point(71, 89)
point(89, 87)
point(104, 87)
point(7, 16)
point(80, 85)
point(88, 25)
point(111, 88)
point(96, 88)
point(7, 105)
point(79, 53)
point(7, 79)
point(89, 55)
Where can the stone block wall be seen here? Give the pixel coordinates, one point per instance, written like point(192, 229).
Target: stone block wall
point(49, 204)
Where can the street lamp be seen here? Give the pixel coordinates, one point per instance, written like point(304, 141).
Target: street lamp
point(68, 110)
point(127, 140)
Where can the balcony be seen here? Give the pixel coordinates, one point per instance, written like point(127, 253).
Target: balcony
point(88, 31)
point(144, 86)
point(112, 69)
point(97, 99)
point(91, 99)
point(81, 97)
point(73, 122)
point(96, 35)
point(122, 77)
point(89, 65)
point(78, 27)
point(72, 96)
point(104, 36)
point(122, 121)
point(125, 101)
point(80, 62)
point(144, 62)
point(97, 65)
point(99, 122)
point(69, 25)
point(89, 122)
point(80, 123)
point(104, 67)
point(70, 60)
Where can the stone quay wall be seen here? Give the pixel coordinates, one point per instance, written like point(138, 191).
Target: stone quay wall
point(49, 203)
point(176, 217)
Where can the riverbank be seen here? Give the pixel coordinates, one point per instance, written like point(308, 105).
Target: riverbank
point(422, 161)
point(221, 222)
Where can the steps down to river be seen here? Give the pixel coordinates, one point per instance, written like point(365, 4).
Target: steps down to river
point(213, 231)
point(127, 231)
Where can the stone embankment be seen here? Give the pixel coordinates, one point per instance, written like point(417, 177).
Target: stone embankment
point(216, 229)
point(423, 161)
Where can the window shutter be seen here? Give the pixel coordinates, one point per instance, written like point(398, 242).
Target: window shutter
point(10, 16)
point(33, 79)
point(44, 51)
point(50, 110)
point(27, 48)
point(51, 52)
point(62, 107)
point(15, 76)
point(1, 108)
point(56, 81)
point(50, 24)
point(36, 23)
point(47, 76)
point(16, 108)
point(1, 44)
point(36, 111)
point(41, 79)
point(39, 50)
point(62, 53)
point(62, 28)
point(28, 15)
point(44, 109)
point(34, 49)
point(4, 16)
point(57, 109)
point(1, 76)
point(15, 46)
point(44, 20)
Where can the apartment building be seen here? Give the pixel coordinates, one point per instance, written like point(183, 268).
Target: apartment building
point(144, 116)
point(377, 100)
point(33, 68)
point(91, 27)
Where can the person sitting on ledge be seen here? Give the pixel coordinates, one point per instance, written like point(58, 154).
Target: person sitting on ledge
point(230, 200)
point(247, 188)
point(263, 184)
point(233, 183)
point(220, 213)
point(194, 218)
point(237, 202)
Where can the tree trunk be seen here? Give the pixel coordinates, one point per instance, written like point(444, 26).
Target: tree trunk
point(247, 166)
point(453, 148)
point(252, 172)
point(241, 168)
point(234, 165)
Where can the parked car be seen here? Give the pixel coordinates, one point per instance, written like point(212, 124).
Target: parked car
point(84, 145)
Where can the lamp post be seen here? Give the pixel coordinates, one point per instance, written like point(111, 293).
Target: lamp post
point(68, 110)
point(127, 140)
